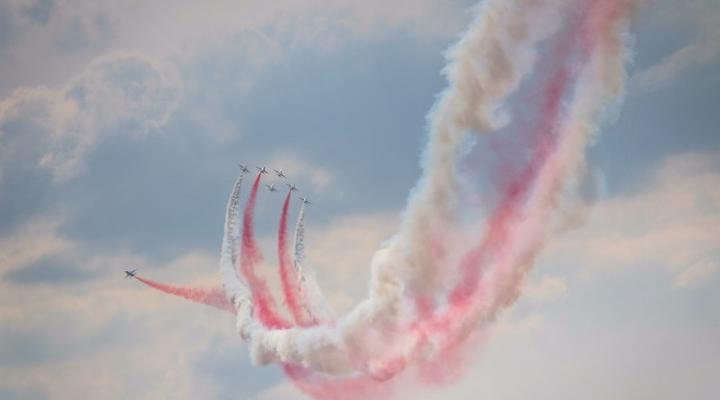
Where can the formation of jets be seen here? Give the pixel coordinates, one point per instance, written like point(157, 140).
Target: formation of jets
point(130, 273)
point(279, 173)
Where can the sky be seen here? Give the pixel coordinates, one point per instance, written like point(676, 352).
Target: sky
point(121, 124)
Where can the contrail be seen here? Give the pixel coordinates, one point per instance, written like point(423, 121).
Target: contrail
point(600, 81)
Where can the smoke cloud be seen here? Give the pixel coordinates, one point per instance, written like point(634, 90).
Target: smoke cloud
point(442, 279)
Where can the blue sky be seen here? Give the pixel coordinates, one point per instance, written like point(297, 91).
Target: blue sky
point(121, 126)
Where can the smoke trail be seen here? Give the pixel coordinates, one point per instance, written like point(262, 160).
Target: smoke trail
point(311, 297)
point(250, 257)
point(469, 104)
point(599, 82)
point(288, 276)
point(402, 323)
point(233, 286)
point(211, 297)
point(543, 139)
point(485, 66)
point(504, 34)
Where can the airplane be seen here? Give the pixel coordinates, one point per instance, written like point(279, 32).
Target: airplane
point(305, 200)
point(262, 170)
point(292, 187)
point(271, 188)
point(130, 274)
point(243, 168)
point(279, 173)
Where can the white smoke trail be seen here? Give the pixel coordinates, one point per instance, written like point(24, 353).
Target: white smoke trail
point(311, 295)
point(486, 66)
point(234, 288)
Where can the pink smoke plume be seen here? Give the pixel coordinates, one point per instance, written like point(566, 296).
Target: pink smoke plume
point(288, 275)
point(250, 257)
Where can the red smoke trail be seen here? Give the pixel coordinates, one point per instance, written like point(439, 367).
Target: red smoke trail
point(500, 223)
point(448, 325)
point(596, 16)
point(311, 383)
point(214, 297)
point(288, 275)
point(251, 255)
point(305, 380)
point(597, 20)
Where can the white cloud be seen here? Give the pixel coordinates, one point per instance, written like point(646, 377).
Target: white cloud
point(508, 325)
point(702, 17)
point(341, 252)
point(55, 116)
point(281, 391)
point(113, 338)
point(697, 272)
point(78, 31)
point(32, 241)
point(548, 288)
point(297, 169)
point(672, 224)
point(55, 129)
point(704, 51)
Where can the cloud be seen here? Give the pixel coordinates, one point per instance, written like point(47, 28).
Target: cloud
point(704, 50)
point(48, 42)
point(55, 129)
point(48, 271)
point(31, 242)
point(21, 393)
point(671, 223)
point(132, 341)
point(318, 178)
point(509, 325)
point(696, 273)
point(548, 288)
